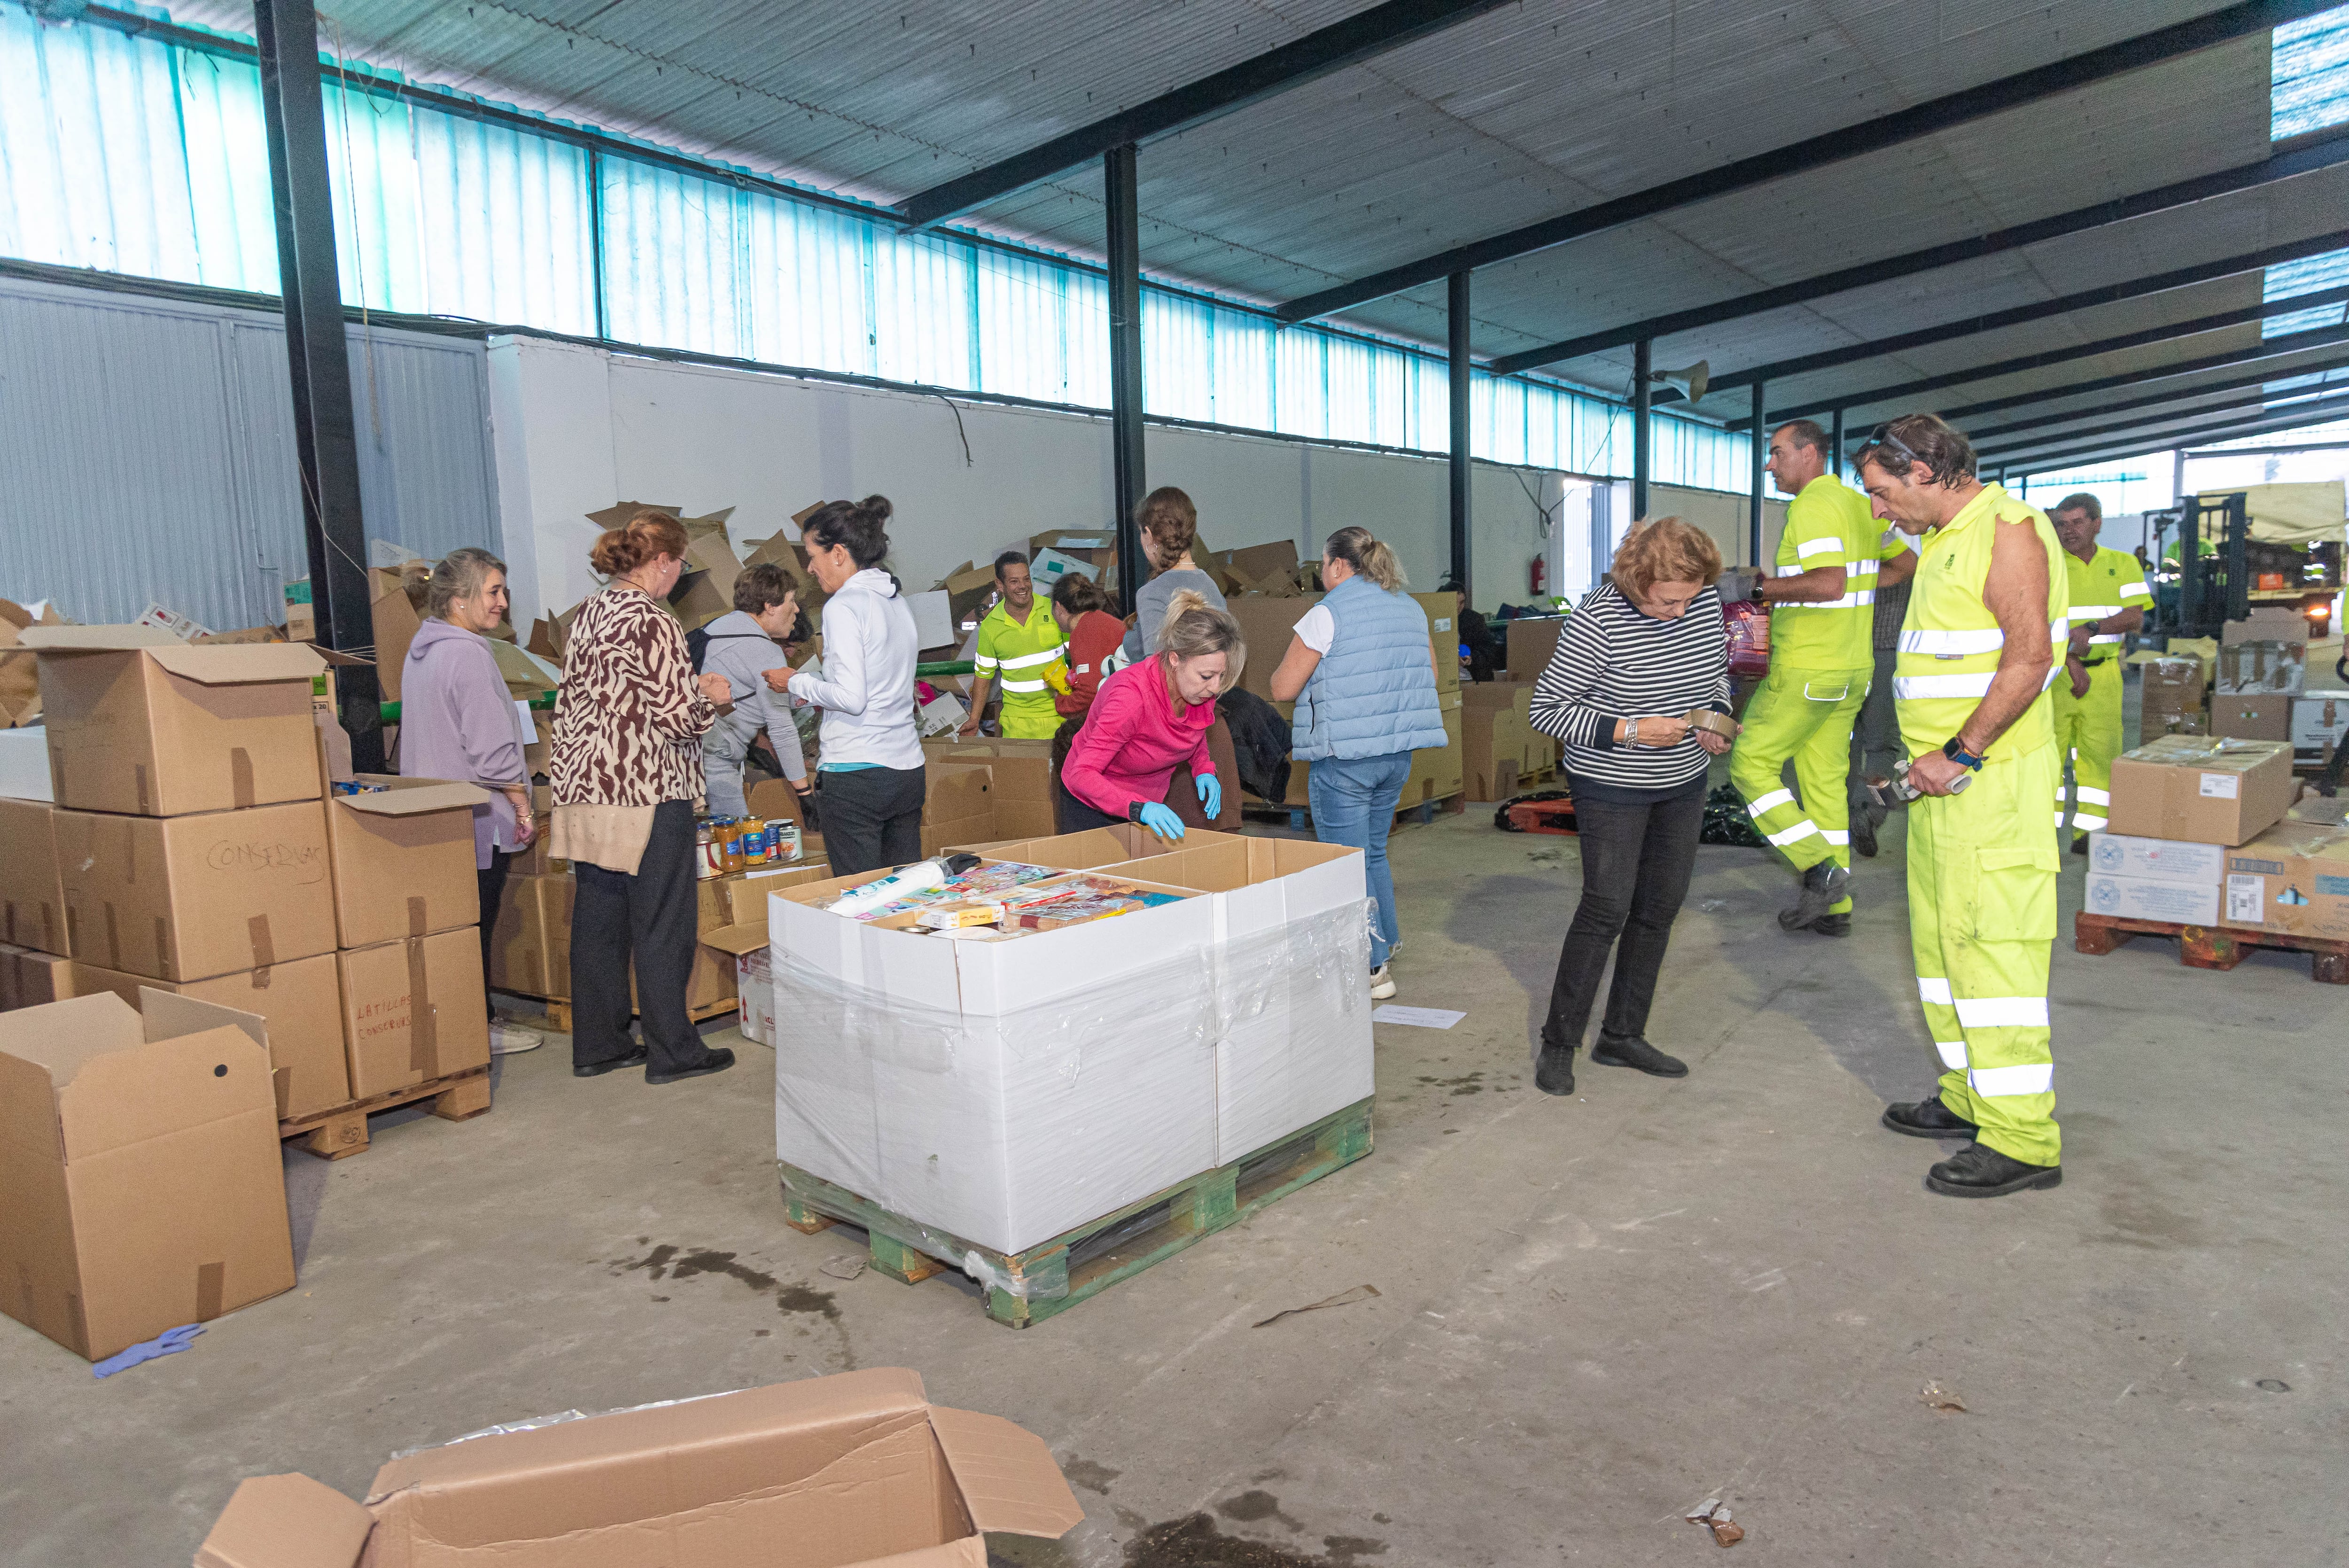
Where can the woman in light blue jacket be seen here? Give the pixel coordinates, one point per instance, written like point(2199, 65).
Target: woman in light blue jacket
point(1361, 670)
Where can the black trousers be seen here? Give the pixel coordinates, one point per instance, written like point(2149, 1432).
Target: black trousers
point(872, 817)
point(492, 881)
point(1071, 815)
point(1636, 864)
point(644, 922)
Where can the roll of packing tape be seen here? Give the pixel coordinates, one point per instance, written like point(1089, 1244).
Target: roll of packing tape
point(1720, 723)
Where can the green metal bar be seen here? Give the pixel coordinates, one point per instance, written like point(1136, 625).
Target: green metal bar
point(947, 668)
point(543, 702)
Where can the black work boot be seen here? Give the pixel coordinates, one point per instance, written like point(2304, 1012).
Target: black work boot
point(1832, 924)
point(1863, 835)
point(1928, 1118)
point(2079, 843)
point(1978, 1172)
point(1823, 884)
point(1554, 1072)
point(1632, 1051)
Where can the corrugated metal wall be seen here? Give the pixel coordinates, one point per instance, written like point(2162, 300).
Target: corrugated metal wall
point(147, 453)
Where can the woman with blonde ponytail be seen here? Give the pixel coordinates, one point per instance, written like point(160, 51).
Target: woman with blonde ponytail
point(1361, 670)
point(1151, 718)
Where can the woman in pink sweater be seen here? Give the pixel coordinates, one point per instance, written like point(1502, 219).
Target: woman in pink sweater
point(1150, 718)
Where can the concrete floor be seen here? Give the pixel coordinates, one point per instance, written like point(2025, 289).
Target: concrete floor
point(1592, 1313)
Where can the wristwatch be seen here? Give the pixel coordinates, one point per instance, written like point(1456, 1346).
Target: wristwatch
point(1960, 755)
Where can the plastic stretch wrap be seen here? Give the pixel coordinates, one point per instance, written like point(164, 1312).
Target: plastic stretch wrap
point(997, 1094)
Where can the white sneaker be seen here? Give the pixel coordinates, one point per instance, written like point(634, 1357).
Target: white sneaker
point(505, 1040)
point(1382, 983)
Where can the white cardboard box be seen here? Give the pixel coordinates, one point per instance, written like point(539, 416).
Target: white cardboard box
point(2134, 898)
point(933, 624)
point(1007, 1091)
point(2156, 859)
point(2318, 719)
point(25, 764)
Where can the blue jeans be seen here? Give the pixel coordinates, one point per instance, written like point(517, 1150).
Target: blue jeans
point(1353, 801)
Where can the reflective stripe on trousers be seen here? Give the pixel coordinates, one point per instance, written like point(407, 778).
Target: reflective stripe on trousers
point(2088, 737)
point(1804, 717)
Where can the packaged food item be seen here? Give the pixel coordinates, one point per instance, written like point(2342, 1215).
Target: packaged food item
point(754, 843)
point(729, 841)
point(966, 912)
point(708, 853)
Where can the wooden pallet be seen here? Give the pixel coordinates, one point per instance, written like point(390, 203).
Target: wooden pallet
point(1544, 817)
point(339, 1133)
point(1300, 818)
point(1042, 1281)
point(558, 1011)
point(2210, 947)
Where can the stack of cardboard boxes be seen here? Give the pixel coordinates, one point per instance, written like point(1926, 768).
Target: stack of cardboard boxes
point(1268, 621)
point(2182, 806)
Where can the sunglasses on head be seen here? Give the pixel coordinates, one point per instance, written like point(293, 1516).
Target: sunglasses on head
point(1882, 435)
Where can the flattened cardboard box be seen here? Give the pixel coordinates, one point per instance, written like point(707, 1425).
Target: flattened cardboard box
point(403, 859)
point(413, 1010)
point(2293, 878)
point(185, 897)
point(138, 1150)
point(2205, 790)
point(857, 1469)
point(32, 893)
point(141, 722)
point(300, 1002)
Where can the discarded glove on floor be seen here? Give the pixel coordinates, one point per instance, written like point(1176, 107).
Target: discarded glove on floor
point(171, 1342)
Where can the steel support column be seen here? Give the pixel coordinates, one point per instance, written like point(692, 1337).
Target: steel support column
point(1761, 446)
point(1125, 366)
point(1643, 355)
point(1461, 408)
point(1835, 446)
point(325, 430)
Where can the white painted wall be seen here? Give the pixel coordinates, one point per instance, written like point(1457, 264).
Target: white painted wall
point(576, 430)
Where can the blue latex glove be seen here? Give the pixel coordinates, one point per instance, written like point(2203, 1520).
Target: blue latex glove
point(168, 1343)
point(1211, 795)
point(1161, 820)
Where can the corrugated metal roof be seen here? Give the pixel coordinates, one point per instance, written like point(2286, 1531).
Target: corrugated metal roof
point(1529, 110)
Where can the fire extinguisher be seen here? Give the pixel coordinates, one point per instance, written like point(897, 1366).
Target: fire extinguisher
point(1537, 574)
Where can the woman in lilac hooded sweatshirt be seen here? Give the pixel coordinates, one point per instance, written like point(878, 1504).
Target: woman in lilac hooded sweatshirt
point(458, 721)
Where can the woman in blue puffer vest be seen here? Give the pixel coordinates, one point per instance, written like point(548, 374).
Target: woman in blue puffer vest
point(1361, 670)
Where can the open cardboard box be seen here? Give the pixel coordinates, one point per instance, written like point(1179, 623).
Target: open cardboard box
point(831, 1472)
point(138, 1153)
point(403, 859)
point(1006, 1091)
point(141, 722)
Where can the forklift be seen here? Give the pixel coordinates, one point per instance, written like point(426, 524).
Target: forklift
point(2197, 594)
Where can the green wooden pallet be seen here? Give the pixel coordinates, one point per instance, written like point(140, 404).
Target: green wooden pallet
point(1052, 1276)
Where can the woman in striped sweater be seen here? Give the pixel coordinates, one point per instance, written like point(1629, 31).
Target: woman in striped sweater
point(1644, 649)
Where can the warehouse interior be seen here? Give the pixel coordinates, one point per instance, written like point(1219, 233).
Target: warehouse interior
point(295, 302)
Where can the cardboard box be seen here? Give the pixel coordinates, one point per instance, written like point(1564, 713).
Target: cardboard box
point(957, 803)
point(1532, 640)
point(20, 677)
point(1021, 781)
point(2265, 716)
point(413, 1010)
point(32, 893)
point(2267, 623)
point(403, 859)
point(140, 722)
point(300, 1004)
point(2293, 878)
point(396, 609)
point(1498, 742)
point(1437, 773)
point(2319, 720)
point(529, 943)
point(827, 1472)
point(25, 764)
point(1004, 1091)
point(29, 979)
point(301, 619)
point(2153, 723)
point(706, 589)
point(2156, 859)
point(2269, 668)
point(185, 897)
point(138, 1150)
point(1443, 611)
point(2204, 790)
point(2133, 898)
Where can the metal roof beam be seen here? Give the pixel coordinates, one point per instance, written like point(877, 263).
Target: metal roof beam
point(2291, 420)
point(1950, 110)
point(2042, 310)
point(2325, 153)
point(2250, 406)
point(2318, 338)
point(2159, 399)
point(2296, 343)
point(1332, 48)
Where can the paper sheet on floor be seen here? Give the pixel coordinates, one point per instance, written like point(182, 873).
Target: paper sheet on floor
point(1417, 1018)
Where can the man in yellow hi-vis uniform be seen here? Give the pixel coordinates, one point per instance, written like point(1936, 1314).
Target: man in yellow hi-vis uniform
point(1821, 610)
point(1990, 608)
point(2108, 602)
point(1018, 642)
